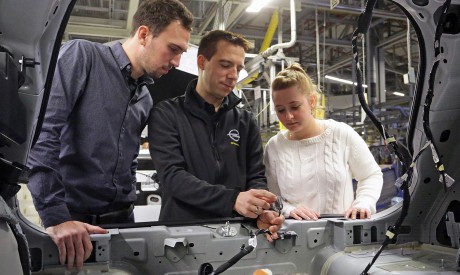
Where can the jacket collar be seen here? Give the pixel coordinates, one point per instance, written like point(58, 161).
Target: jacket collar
point(196, 102)
point(125, 64)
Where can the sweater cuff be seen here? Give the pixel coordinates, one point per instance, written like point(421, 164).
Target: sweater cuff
point(364, 204)
point(54, 215)
point(287, 211)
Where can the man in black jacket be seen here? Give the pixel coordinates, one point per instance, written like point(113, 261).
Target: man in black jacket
point(208, 153)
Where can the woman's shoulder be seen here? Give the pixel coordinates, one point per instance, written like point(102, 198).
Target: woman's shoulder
point(277, 139)
point(338, 126)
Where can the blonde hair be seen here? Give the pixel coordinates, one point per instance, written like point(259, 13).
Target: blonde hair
point(295, 75)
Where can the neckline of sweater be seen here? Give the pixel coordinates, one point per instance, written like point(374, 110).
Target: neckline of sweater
point(327, 131)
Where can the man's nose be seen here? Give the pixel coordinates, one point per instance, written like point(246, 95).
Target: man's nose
point(233, 74)
point(176, 60)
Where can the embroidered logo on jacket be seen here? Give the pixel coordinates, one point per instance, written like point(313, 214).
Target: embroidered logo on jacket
point(234, 135)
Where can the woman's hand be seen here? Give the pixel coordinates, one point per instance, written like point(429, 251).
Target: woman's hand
point(304, 213)
point(355, 212)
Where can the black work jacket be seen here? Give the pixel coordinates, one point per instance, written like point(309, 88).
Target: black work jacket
point(204, 161)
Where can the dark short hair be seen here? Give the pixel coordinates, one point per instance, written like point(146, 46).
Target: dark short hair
point(158, 14)
point(208, 43)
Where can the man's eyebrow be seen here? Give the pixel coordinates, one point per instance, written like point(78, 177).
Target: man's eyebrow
point(178, 46)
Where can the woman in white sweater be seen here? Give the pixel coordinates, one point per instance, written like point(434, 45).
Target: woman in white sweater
point(311, 164)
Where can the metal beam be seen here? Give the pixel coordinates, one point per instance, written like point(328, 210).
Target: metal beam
point(328, 20)
point(398, 37)
point(98, 9)
point(392, 70)
point(236, 15)
point(327, 42)
point(347, 60)
point(97, 31)
point(325, 5)
point(96, 22)
point(210, 16)
point(301, 39)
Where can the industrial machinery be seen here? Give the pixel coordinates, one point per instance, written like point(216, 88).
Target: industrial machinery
point(419, 235)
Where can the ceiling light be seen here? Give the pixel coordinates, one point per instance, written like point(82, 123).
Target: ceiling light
point(344, 81)
point(256, 5)
point(398, 94)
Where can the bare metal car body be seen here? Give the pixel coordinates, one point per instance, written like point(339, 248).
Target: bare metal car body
point(428, 243)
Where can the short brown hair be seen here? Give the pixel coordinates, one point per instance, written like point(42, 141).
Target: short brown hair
point(208, 43)
point(158, 14)
point(294, 75)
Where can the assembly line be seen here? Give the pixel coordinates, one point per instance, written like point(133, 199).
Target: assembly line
point(177, 147)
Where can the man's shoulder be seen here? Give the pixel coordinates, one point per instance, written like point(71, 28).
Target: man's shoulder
point(83, 46)
point(243, 114)
point(81, 43)
point(174, 103)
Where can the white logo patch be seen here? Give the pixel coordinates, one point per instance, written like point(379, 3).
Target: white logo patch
point(234, 135)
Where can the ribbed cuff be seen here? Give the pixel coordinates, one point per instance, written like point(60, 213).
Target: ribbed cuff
point(287, 211)
point(364, 205)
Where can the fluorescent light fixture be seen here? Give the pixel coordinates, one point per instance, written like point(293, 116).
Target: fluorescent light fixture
point(344, 81)
point(257, 5)
point(398, 94)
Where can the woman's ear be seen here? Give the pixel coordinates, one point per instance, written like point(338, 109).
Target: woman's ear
point(312, 101)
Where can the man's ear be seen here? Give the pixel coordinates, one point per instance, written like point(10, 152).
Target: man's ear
point(142, 33)
point(200, 60)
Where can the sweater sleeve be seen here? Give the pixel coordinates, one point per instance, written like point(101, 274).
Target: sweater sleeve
point(270, 154)
point(366, 171)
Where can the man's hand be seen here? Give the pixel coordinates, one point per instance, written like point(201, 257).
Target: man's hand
point(303, 212)
point(73, 242)
point(353, 213)
point(252, 203)
point(270, 220)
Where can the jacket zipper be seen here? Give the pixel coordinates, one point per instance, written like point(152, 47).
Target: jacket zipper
point(214, 147)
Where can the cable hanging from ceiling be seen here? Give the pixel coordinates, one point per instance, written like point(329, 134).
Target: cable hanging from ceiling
point(364, 21)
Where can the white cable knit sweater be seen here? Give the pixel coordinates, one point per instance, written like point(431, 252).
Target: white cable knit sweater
point(317, 172)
